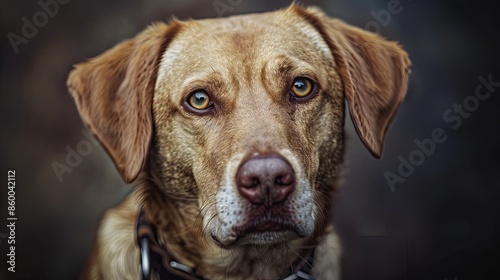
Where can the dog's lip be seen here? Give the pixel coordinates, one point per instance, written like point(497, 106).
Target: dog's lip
point(259, 227)
point(265, 224)
point(228, 243)
point(256, 238)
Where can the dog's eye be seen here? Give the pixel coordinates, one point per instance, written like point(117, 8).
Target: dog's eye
point(199, 100)
point(302, 87)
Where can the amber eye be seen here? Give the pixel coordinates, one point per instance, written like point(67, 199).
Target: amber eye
point(199, 100)
point(302, 87)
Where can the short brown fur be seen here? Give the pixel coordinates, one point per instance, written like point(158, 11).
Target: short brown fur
point(133, 99)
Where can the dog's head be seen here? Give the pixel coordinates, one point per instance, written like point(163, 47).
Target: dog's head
point(243, 114)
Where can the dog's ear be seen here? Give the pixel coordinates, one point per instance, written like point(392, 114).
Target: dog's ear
point(374, 72)
point(114, 93)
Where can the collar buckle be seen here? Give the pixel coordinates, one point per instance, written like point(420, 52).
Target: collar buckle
point(145, 261)
point(181, 267)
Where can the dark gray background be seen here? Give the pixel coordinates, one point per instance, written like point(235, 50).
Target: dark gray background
point(441, 223)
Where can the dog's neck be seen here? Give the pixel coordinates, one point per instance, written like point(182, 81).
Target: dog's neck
point(179, 225)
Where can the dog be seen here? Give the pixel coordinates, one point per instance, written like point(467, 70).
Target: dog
point(232, 131)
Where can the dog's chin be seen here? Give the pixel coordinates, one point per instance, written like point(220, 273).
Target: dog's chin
point(265, 232)
point(256, 238)
point(265, 229)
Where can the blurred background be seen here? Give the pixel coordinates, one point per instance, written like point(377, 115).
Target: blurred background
point(436, 217)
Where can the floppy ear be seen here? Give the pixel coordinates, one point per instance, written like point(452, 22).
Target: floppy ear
point(114, 93)
point(374, 72)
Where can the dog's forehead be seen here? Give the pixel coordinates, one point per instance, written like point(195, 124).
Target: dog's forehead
point(229, 44)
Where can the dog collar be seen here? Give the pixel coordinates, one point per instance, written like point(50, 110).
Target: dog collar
point(156, 259)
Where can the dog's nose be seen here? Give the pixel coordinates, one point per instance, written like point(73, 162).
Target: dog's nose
point(265, 180)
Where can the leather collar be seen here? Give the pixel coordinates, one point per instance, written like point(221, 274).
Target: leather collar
point(157, 260)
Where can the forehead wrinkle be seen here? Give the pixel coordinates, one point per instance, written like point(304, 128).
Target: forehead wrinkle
point(222, 52)
point(235, 52)
point(244, 40)
point(245, 44)
point(273, 87)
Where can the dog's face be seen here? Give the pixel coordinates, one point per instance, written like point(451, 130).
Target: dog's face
point(245, 114)
point(251, 102)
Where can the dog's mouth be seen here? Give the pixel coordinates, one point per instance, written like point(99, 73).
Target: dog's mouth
point(262, 230)
point(268, 226)
point(265, 224)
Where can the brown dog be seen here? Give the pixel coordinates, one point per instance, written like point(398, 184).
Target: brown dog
point(233, 129)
